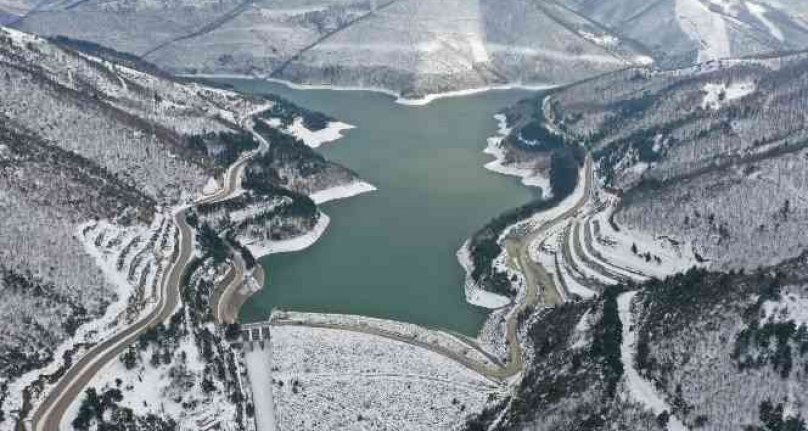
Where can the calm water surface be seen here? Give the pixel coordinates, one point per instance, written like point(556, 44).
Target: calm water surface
point(391, 253)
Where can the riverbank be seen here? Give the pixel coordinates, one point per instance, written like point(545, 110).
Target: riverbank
point(399, 99)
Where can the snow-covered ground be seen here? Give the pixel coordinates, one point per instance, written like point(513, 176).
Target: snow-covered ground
point(341, 192)
point(792, 305)
point(258, 362)
point(314, 139)
point(616, 247)
point(639, 389)
point(173, 390)
point(475, 295)
point(389, 328)
point(717, 94)
point(706, 29)
point(109, 244)
point(760, 11)
point(530, 177)
point(333, 379)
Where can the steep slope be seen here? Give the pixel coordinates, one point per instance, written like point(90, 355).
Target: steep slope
point(700, 350)
point(711, 155)
point(681, 32)
point(420, 47)
point(94, 158)
point(405, 46)
point(709, 158)
point(728, 350)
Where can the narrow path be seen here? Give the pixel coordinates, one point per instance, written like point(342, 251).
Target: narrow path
point(575, 271)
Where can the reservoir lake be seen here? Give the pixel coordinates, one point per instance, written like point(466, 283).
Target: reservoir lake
point(391, 253)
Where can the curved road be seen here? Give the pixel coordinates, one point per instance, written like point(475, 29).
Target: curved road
point(539, 284)
point(225, 306)
point(49, 414)
point(51, 411)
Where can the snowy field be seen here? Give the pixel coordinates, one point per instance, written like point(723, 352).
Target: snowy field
point(341, 380)
point(457, 344)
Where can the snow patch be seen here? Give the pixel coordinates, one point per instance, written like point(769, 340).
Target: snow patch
point(427, 99)
point(475, 295)
point(719, 94)
point(211, 187)
point(605, 40)
point(478, 52)
point(790, 306)
point(314, 139)
point(341, 192)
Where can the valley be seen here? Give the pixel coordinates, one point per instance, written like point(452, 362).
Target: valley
point(419, 215)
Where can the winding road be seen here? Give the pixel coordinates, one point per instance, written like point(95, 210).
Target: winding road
point(50, 412)
point(540, 287)
point(538, 283)
point(48, 415)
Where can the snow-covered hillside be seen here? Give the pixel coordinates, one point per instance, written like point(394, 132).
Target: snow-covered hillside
point(95, 157)
point(711, 156)
point(423, 47)
point(701, 171)
point(680, 32)
point(408, 47)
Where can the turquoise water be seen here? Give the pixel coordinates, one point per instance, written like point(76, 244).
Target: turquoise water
point(391, 253)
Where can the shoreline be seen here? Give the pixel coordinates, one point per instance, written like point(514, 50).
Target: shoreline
point(306, 240)
point(316, 138)
point(528, 178)
point(473, 293)
point(343, 191)
point(298, 243)
point(398, 98)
